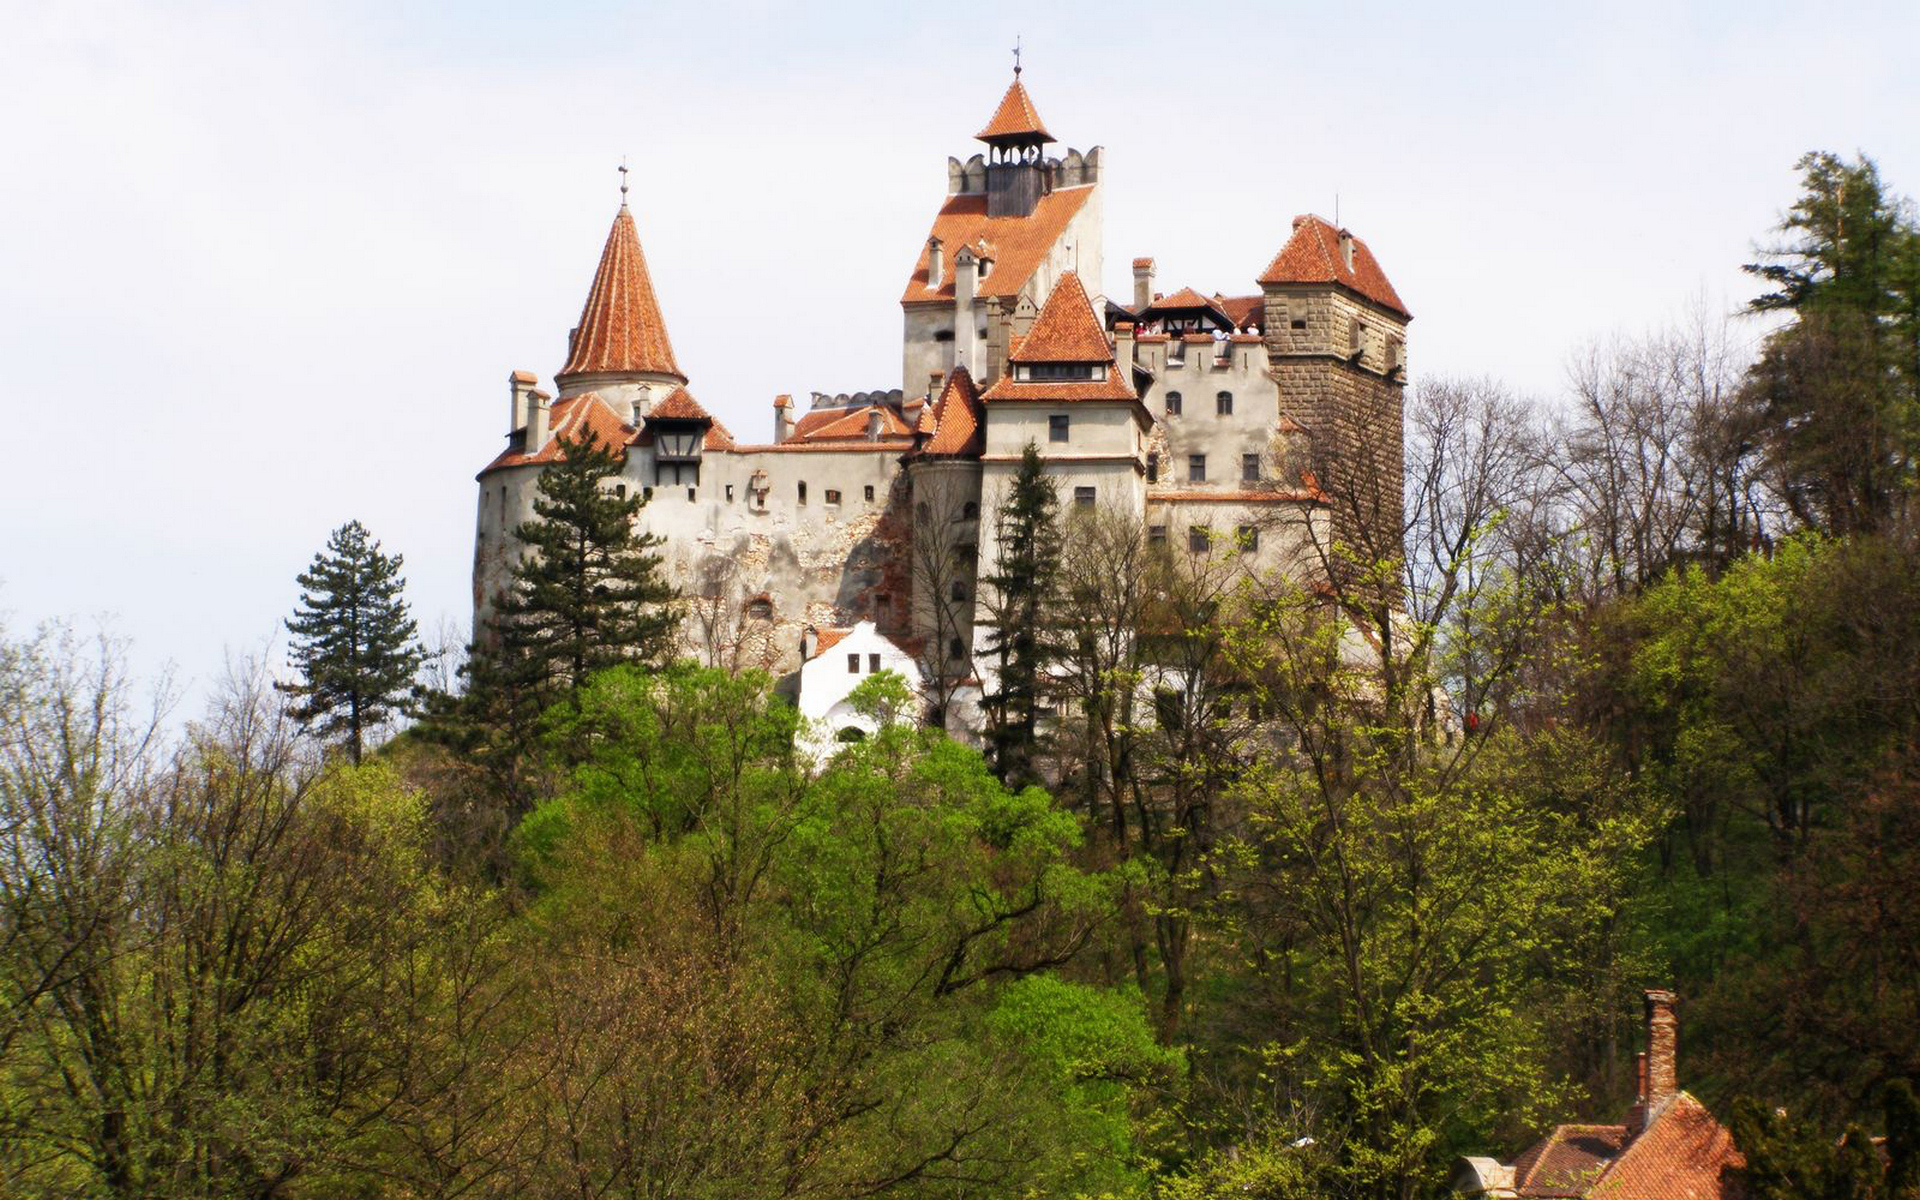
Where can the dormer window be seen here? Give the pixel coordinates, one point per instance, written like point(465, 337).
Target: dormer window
point(1047, 372)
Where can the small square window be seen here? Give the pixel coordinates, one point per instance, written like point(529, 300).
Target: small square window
point(620, 490)
point(1196, 468)
point(729, 493)
point(1153, 468)
point(1173, 404)
point(1223, 404)
point(1298, 323)
point(646, 493)
point(1247, 539)
point(853, 664)
point(833, 496)
point(959, 590)
point(869, 491)
point(956, 648)
point(873, 662)
point(1250, 468)
point(1199, 538)
point(692, 494)
point(1156, 535)
point(1083, 497)
point(1057, 427)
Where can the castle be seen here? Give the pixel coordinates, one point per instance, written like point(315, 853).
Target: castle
point(869, 516)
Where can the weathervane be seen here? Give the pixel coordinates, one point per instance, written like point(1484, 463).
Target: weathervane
point(623, 181)
point(1016, 54)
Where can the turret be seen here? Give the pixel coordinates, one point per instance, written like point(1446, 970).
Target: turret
point(1017, 170)
point(620, 348)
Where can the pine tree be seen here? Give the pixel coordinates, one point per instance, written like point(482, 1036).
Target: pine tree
point(1837, 392)
point(590, 593)
point(356, 648)
point(1020, 592)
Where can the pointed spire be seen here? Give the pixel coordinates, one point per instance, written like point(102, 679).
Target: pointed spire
point(621, 331)
point(1016, 119)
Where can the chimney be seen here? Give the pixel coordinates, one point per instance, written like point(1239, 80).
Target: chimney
point(966, 276)
point(935, 268)
point(642, 401)
point(875, 423)
point(538, 406)
point(1142, 283)
point(1663, 1035)
point(782, 418)
point(1123, 344)
point(1346, 249)
point(520, 383)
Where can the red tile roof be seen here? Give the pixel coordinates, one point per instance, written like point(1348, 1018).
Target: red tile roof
point(1567, 1161)
point(620, 327)
point(1312, 255)
point(1067, 329)
point(679, 406)
point(1015, 118)
point(826, 639)
point(567, 419)
point(957, 425)
point(1113, 387)
point(1019, 243)
point(1243, 310)
point(851, 423)
point(1684, 1154)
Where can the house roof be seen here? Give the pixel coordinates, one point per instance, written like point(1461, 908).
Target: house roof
point(620, 329)
point(851, 424)
point(1015, 118)
point(1682, 1154)
point(1019, 243)
point(569, 417)
point(679, 406)
point(1312, 255)
point(1067, 329)
point(1243, 311)
point(957, 426)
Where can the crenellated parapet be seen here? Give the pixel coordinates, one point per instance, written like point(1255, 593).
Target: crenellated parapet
point(1072, 169)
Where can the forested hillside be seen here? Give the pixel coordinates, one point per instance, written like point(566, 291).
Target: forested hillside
point(1336, 875)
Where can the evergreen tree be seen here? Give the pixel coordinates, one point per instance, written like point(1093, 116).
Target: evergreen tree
point(1837, 391)
point(1020, 590)
point(356, 648)
point(590, 593)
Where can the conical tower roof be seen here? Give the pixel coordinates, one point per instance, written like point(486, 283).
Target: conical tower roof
point(1015, 119)
point(621, 331)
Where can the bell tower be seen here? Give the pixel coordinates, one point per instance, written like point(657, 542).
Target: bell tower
point(1017, 170)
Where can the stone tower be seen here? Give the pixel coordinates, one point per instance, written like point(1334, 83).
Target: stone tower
point(1336, 333)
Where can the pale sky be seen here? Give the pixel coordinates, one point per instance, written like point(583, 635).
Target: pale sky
point(265, 267)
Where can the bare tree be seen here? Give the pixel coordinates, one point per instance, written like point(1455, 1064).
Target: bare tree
point(942, 551)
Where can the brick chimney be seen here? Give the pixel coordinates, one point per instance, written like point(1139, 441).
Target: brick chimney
point(1663, 1036)
point(522, 384)
point(537, 413)
point(935, 276)
point(1142, 283)
point(1123, 344)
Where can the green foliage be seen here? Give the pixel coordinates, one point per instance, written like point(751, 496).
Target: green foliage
point(589, 593)
point(1791, 1159)
point(1838, 389)
point(1018, 595)
point(354, 645)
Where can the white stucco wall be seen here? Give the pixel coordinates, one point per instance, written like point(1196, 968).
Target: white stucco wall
point(826, 681)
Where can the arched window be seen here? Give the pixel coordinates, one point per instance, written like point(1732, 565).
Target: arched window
point(1223, 404)
point(969, 511)
point(1173, 404)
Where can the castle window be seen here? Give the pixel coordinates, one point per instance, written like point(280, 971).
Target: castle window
point(869, 491)
point(883, 606)
point(729, 493)
point(1199, 538)
point(833, 497)
point(1059, 371)
point(760, 610)
point(1246, 539)
point(956, 648)
point(923, 511)
point(1196, 468)
point(1156, 535)
point(853, 664)
point(959, 590)
point(1153, 468)
point(620, 490)
point(943, 335)
point(646, 493)
point(964, 552)
point(873, 663)
point(1298, 323)
point(969, 511)
point(1223, 404)
point(1083, 497)
point(1173, 404)
point(803, 493)
point(1057, 427)
point(1250, 468)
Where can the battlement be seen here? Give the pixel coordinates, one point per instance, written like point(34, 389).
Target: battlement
point(1073, 169)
